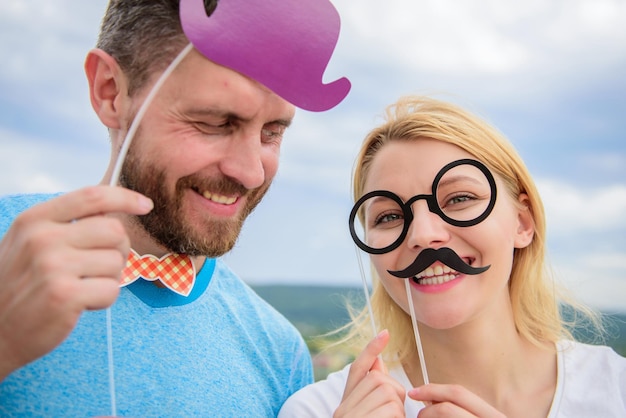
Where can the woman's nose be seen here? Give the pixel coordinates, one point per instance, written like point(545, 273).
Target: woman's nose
point(427, 230)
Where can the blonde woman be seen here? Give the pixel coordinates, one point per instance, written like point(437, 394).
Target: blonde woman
point(451, 217)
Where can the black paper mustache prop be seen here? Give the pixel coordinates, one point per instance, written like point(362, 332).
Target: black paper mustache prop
point(428, 256)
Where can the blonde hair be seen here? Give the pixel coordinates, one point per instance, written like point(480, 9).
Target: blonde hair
point(534, 296)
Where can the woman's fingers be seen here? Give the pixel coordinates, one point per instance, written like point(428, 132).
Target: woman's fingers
point(370, 391)
point(368, 360)
point(446, 400)
point(375, 392)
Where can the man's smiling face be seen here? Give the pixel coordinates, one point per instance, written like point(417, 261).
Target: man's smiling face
point(206, 153)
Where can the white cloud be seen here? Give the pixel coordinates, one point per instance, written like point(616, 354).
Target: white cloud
point(432, 36)
point(43, 48)
point(507, 52)
point(605, 162)
point(31, 164)
point(596, 279)
point(44, 39)
point(572, 210)
point(489, 36)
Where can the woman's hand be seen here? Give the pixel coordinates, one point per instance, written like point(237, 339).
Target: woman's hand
point(444, 401)
point(370, 391)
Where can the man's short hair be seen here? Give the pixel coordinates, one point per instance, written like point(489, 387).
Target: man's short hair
point(143, 36)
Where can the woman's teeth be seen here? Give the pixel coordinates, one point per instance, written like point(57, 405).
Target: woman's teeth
point(224, 200)
point(436, 275)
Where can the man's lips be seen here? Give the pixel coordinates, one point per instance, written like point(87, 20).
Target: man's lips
point(217, 198)
point(429, 256)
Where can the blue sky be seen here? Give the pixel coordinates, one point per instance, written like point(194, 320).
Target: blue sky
point(551, 75)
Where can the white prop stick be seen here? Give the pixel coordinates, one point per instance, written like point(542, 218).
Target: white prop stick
point(418, 341)
point(367, 295)
point(113, 182)
point(142, 110)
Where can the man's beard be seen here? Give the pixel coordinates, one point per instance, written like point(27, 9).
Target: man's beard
point(167, 222)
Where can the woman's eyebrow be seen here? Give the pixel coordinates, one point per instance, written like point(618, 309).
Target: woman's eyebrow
point(459, 177)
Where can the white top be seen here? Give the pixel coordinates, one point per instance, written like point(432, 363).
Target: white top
point(591, 382)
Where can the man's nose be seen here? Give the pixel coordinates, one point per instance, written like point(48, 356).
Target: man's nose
point(243, 161)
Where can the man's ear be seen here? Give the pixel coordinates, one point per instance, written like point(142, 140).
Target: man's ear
point(526, 224)
point(107, 87)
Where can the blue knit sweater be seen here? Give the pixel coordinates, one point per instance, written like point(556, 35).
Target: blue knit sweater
point(221, 352)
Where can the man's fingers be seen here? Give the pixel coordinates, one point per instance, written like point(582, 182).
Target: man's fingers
point(89, 201)
point(99, 293)
point(98, 232)
point(104, 263)
point(52, 268)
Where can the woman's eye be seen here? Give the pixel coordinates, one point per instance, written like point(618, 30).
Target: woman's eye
point(457, 199)
point(460, 199)
point(387, 218)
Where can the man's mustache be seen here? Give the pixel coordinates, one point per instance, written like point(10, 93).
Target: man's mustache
point(428, 256)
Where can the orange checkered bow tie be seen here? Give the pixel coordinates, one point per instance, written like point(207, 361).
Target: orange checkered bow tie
point(175, 271)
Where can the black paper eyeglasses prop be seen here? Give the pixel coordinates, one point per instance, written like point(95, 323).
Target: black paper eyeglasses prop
point(463, 194)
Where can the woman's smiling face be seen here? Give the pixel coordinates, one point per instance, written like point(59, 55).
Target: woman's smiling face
point(445, 298)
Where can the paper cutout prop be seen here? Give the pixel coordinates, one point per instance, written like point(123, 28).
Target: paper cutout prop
point(428, 256)
point(175, 271)
point(463, 194)
point(283, 44)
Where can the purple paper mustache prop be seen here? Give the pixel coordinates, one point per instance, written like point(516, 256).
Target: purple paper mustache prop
point(428, 256)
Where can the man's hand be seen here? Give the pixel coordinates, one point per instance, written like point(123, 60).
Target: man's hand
point(58, 259)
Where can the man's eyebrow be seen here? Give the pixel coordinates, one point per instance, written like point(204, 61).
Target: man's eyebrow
point(229, 115)
point(283, 122)
point(203, 112)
